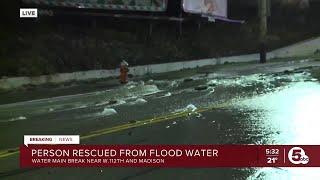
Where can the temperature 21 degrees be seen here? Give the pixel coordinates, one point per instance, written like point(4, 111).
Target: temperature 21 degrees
point(272, 160)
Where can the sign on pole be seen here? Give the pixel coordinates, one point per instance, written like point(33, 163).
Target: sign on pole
point(217, 8)
point(128, 5)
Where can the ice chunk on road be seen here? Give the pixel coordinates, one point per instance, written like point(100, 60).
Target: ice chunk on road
point(21, 118)
point(17, 119)
point(168, 94)
point(173, 83)
point(108, 111)
point(131, 86)
point(139, 101)
point(191, 108)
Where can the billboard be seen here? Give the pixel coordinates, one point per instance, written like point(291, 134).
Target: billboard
point(215, 8)
point(128, 5)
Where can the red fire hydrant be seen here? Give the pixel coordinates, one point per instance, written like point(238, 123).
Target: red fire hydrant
point(124, 72)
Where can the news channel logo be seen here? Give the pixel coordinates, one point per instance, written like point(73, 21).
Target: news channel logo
point(28, 12)
point(298, 156)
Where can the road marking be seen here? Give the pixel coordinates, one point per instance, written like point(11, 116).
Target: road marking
point(118, 128)
point(10, 152)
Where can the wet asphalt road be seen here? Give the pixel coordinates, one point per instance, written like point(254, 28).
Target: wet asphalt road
point(270, 107)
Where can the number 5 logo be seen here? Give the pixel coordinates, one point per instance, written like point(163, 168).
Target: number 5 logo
point(297, 155)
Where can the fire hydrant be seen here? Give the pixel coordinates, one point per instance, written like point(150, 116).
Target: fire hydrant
point(124, 72)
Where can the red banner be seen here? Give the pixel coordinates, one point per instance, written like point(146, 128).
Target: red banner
point(180, 156)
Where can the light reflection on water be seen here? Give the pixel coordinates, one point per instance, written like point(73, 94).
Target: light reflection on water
point(291, 115)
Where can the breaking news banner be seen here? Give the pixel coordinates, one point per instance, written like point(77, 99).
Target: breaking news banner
point(70, 154)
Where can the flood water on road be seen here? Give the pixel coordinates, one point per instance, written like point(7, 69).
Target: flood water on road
point(286, 116)
point(265, 109)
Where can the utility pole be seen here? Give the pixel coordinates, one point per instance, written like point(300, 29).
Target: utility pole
point(263, 29)
point(263, 16)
